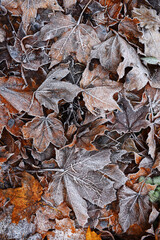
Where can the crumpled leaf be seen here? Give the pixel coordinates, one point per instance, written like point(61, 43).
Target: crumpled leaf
point(130, 120)
point(44, 130)
point(97, 99)
point(73, 38)
point(29, 8)
point(91, 235)
point(134, 208)
point(116, 49)
point(88, 184)
point(86, 134)
point(52, 90)
point(25, 199)
point(28, 50)
point(17, 97)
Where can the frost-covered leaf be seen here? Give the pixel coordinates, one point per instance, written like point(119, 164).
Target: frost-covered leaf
point(25, 199)
point(134, 208)
point(130, 120)
point(73, 38)
point(80, 184)
point(17, 97)
point(29, 8)
point(116, 49)
point(52, 90)
point(44, 130)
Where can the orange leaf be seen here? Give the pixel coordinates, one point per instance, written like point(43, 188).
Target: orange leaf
point(25, 199)
point(91, 235)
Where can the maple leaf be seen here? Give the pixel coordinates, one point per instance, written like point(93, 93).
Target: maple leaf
point(91, 235)
point(52, 90)
point(29, 8)
point(88, 184)
point(116, 49)
point(17, 97)
point(134, 208)
point(73, 38)
point(130, 120)
point(97, 99)
point(44, 130)
point(25, 199)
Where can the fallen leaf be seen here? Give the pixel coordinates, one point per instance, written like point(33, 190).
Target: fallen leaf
point(29, 8)
point(11, 123)
point(130, 120)
point(91, 235)
point(44, 130)
point(17, 97)
point(116, 49)
point(52, 90)
point(74, 38)
point(129, 28)
point(89, 184)
point(25, 199)
point(87, 134)
point(134, 208)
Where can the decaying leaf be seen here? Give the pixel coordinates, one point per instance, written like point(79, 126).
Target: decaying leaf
point(44, 130)
point(134, 208)
point(88, 184)
point(128, 27)
point(116, 49)
point(29, 8)
point(74, 38)
point(25, 199)
point(52, 90)
point(17, 97)
point(97, 99)
point(130, 120)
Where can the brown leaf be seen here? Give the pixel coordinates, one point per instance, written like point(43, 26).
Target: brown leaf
point(128, 27)
point(134, 208)
point(75, 39)
point(17, 97)
point(112, 14)
point(130, 120)
point(52, 90)
point(86, 135)
point(29, 8)
point(11, 123)
point(44, 130)
point(116, 49)
point(25, 199)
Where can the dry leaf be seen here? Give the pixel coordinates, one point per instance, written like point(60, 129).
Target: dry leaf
point(25, 199)
point(44, 130)
point(91, 235)
point(89, 184)
point(29, 8)
point(116, 49)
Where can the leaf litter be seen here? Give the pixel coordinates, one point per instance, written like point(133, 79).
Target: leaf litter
point(80, 121)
